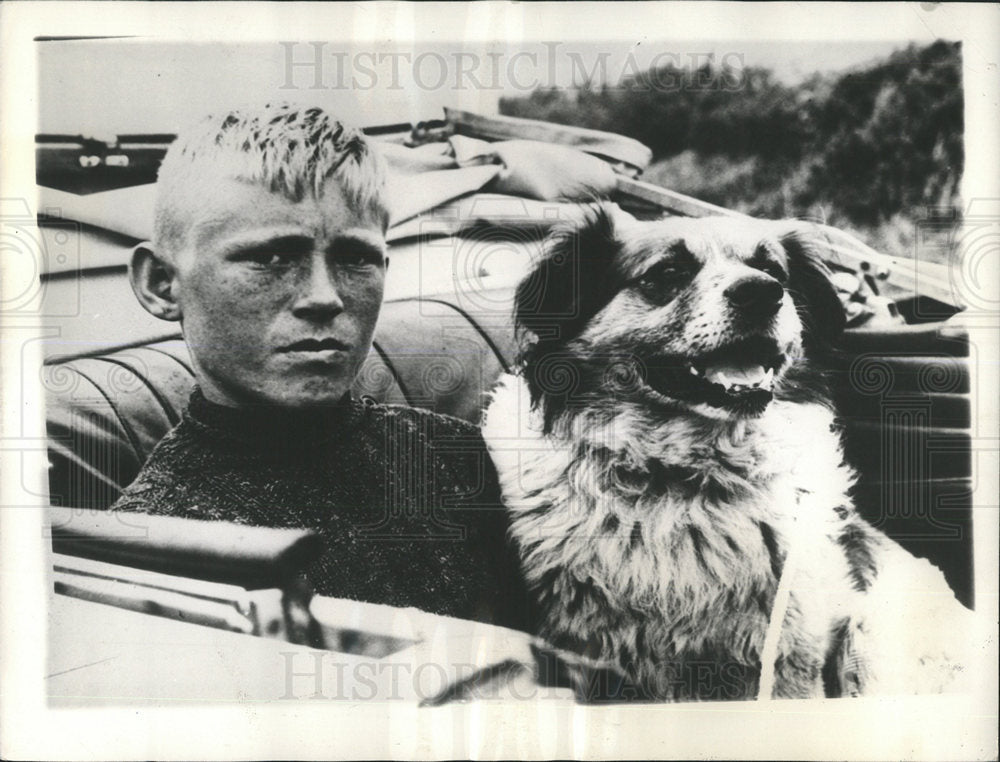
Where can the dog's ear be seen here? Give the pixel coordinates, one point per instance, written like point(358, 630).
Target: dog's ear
point(569, 285)
point(810, 285)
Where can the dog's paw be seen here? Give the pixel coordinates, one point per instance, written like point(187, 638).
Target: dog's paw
point(911, 636)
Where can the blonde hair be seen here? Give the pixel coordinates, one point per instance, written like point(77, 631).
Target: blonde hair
point(289, 149)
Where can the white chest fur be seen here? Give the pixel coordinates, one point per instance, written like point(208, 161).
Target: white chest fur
point(670, 534)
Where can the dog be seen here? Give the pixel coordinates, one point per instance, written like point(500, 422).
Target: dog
point(675, 480)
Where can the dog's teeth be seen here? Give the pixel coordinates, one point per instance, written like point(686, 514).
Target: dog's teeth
point(739, 378)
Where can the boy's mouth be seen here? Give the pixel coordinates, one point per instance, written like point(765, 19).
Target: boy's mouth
point(316, 345)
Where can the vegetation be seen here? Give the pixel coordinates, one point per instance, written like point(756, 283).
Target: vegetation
point(870, 149)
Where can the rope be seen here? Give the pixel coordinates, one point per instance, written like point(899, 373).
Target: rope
point(769, 654)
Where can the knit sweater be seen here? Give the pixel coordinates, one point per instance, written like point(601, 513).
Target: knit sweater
point(406, 501)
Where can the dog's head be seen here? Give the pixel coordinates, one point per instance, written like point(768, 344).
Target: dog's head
point(709, 315)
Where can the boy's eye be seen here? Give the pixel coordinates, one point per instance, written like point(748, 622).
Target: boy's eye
point(272, 258)
point(266, 258)
point(274, 253)
point(360, 257)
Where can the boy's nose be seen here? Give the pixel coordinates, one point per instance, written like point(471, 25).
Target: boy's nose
point(318, 293)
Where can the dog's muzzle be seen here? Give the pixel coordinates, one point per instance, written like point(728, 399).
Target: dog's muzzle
point(739, 376)
point(755, 296)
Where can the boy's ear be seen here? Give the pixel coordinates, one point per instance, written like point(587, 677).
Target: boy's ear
point(153, 280)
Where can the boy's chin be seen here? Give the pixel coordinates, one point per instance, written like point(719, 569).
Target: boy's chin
point(312, 397)
point(288, 395)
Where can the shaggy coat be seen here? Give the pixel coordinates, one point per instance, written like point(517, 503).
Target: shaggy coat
point(666, 456)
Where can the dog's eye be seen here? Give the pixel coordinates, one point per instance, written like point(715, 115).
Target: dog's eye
point(659, 277)
point(775, 270)
point(765, 260)
point(661, 282)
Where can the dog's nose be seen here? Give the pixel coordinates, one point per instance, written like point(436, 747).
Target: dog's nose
point(758, 294)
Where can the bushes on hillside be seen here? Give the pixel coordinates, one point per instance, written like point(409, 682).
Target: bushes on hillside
point(864, 146)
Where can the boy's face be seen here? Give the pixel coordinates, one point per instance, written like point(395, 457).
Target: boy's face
point(279, 299)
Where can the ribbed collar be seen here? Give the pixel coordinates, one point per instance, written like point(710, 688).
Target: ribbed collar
point(274, 429)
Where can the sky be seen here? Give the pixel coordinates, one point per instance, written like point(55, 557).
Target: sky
point(105, 87)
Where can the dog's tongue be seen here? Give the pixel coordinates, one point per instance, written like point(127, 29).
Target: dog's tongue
point(739, 375)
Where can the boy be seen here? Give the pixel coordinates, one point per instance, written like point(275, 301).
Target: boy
point(269, 249)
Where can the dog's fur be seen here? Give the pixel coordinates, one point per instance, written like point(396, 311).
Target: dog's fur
point(654, 510)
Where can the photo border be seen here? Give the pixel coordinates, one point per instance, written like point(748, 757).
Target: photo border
point(869, 728)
